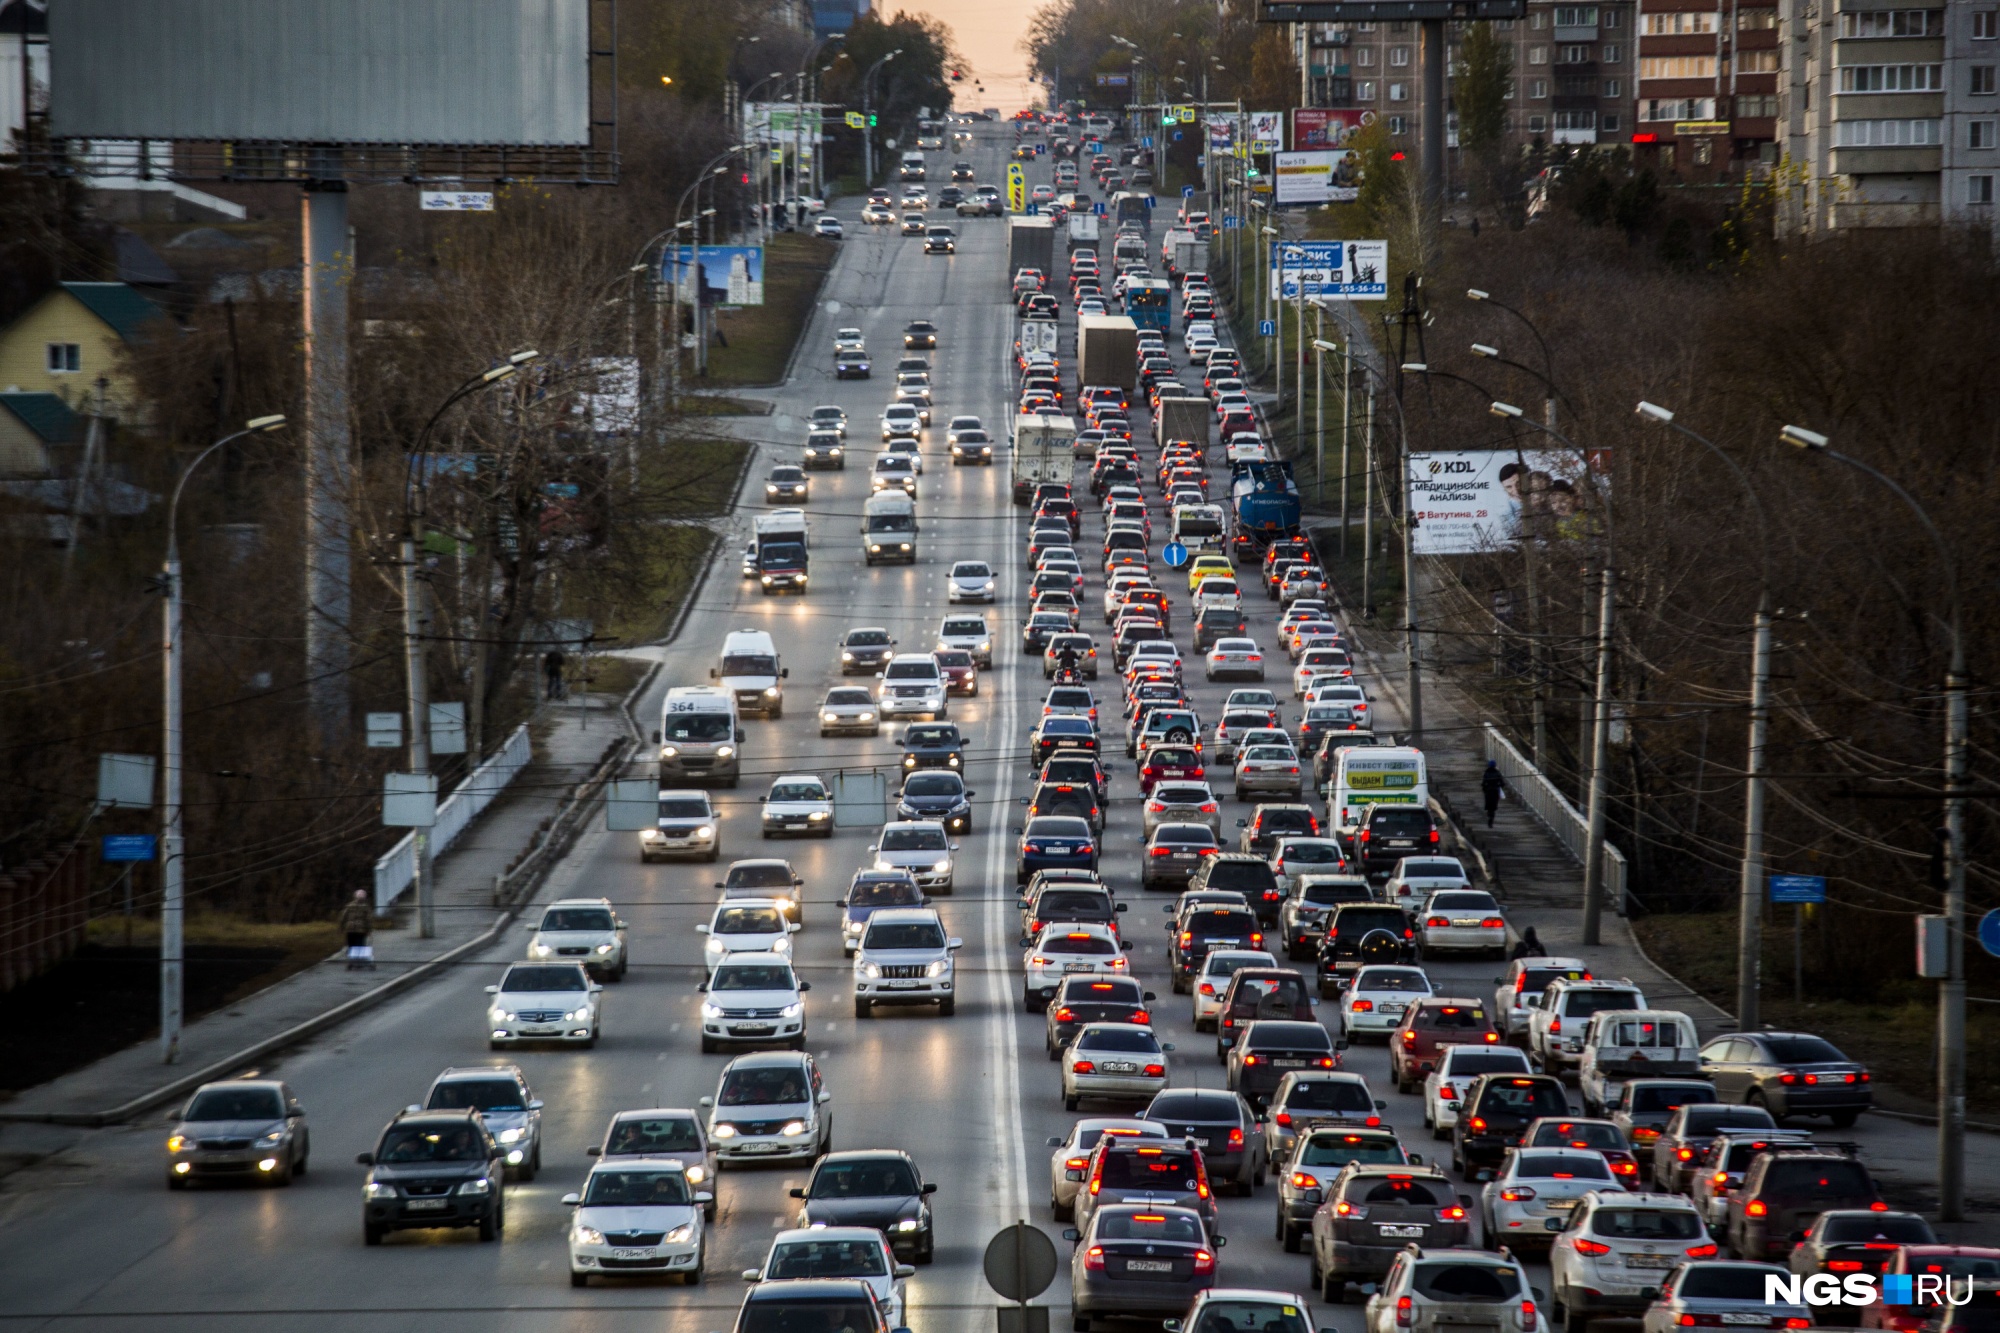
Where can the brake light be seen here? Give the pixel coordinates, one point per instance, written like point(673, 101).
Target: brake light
point(1236, 1138)
point(1755, 1208)
point(1363, 1007)
point(1142, 1018)
point(1402, 1311)
point(1555, 1025)
point(1708, 1251)
point(1248, 1060)
point(1493, 923)
point(1434, 835)
point(1528, 1317)
point(1517, 1193)
point(1645, 1132)
point(1720, 1180)
point(1187, 938)
point(1625, 1169)
point(1878, 1207)
point(1844, 1265)
point(1204, 1262)
point(1798, 1323)
point(1454, 1213)
point(1584, 1245)
point(1256, 938)
point(1684, 1154)
point(1447, 1093)
point(1156, 1071)
point(1493, 1037)
point(1437, 921)
point(1163, 851)
point(1409, 1039)
point(1302, 1181)
point(1477, 1122)
point(1093, 1259)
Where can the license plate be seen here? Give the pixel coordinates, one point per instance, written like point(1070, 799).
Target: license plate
point(1392, 1008)
point(1119, 1068)
point(1076, 967)
point(1400, 1232)
point(1757, 1320)
point(904, 985)
point(632, 1254)
point(1203, 1143)
point(428, 1205)
point(1561, 1205)
point(1149, 1266)
point(1402, 842)
point(1289, 1064)
point(1649, 1261)
point(760, 1030)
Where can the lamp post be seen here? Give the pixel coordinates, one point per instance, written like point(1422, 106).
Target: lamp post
point(173, 877)
point(693, 224)
point(1320, 347)
point(767, 191)
point(1951, 991)
point(1548, 365)
point(867, 108)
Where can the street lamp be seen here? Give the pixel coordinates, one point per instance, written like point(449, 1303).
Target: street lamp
point(1951, 991)
point(1488, 352)
point(1548, 365)
point(173, 901)
point(867, 109)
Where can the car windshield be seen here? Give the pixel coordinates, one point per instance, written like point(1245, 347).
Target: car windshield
point(852, 695)
point(934, 784)
point(1802, 1050)
point(827, 1258)
point(577, 918)
point(749, 921)
point(931, 736)
point(794, 1314)
point(697, 727)
point(1113, 1039)
point(1467, 1282)
point(1158, 1168)
point(914, 840)
point(905, 935)
point(653, 1134)
point(1646, 1223)
point(971, 569)
point(778, 1086)
point(543, 979)
point(625, 1188)
point(798, 791)
point(752, 976)
point(1177, 1225)
point(749, 664)
point(481, 1094)
point(865, 1178)
point(1332, 1094)
point(683, 807)
point(431, 1143)
point(759, 875)
point(237, 1104)
point(1725, 1282)
point(885, 893)
point(868, 638)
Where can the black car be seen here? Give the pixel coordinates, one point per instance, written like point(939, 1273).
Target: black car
point(1052, 900)
point(1060, 733)
point(1206, 928)
point(1358, 934)
point(1054, 842)
point(1146, 1262)
point(1067, 798)
point(878, 1188)
point(1255, 993)
point(932, 745)
point(1077, 767)
point(920, 333)
point(1222, 1125)
point(1250, 876)
point(1392, 832)
point(865, 651)
point(1217, 622)
point(1270, 1048)
point(1094, 999)
point(1786, 1189)
point(950, 197)
point(1494, 1111)
point(846, 1303)
point(434, 1169)
point(1268, 823)
point(939, 795)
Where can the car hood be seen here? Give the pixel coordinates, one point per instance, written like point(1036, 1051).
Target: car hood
point(755, 941)
point(431, 1170)
point(752, 999)
point(748, 682)
point(657, 1217)
point(931, 751)
point(876, 1211)
point(913, 858)
point(534, 999)
point(729, 1115)
point(934, 802)
point(797, 807)
point(971, 580)
point(575, 939)
point(901, 957)
point(227, 1129)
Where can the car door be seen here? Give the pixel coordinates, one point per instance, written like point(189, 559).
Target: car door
point(1717, 1066)
point(1749, 1062)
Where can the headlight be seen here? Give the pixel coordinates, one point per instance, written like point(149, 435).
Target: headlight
point(725, 751)
point(847, 657)
point(905, 546)
point(939, 867)
point(988, 588)
point(479, 1185)
point(865, 717)
point(375, 1189)
point(874, 550)
point(829, 717)
point(722, 1132)
point(705, 831)
point(907, 1224)
point(681, 1235)
point(500, 1016)
point(793, 1129)
point(540, 950)
point(767, 578)
point(576, 1015)
point(873, 971)
point(273, 1139)
point(668, 752)
point(588, 1236)
point(177, 1143)
point(853, 927)
point(714, 945)
point(817, 814)
point(985, 645)
point(770, 693)
point(605, 948)
point(939, 968)
point(697, 1174)
point(792, 1010)
point(511, 1135)
point(781, 945)
point(711, 1011)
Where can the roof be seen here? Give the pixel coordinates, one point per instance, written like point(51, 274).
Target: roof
point(44, 414)
point(126, 309)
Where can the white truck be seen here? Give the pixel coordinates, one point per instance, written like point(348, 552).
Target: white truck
point(1040, 451)
point(1374, 775)
point(699, 736)
point(1082, 229)
point(1623, 1044)
point(1186, 253)
point(1107, 352)
point(1037, 335)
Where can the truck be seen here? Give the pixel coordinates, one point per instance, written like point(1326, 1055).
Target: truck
point(1175, 235)
point(1374, 775)
point(700, 736)
point(889, 528)
point(1132, 206)
point(1082, 229)
point(780, 545)
point(1188, 253)
point(1107, 350)
point(1031, 243)
point(1264, 505)
point(1037, 335)
point(1182, 419)
point(1041, 451)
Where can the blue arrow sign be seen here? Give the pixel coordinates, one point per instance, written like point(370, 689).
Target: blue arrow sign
point(1146, 142)
point(1989, 932)
point(1175, 555)
point(1034, 209)
point(1100, 208)
point(1230, 222)
point(129, 847)
point(1187, 191)
point(1798, 888)
point(1266, 327)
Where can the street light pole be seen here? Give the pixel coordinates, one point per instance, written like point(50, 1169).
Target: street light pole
point(1548, 365)
point(1951, 991)
point(173, 876)
point(868, 129)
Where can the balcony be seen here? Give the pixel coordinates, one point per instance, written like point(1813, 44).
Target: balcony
point(1576, 33)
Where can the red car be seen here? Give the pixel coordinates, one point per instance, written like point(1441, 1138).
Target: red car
point(1170, 763)
point(1428, 1027)
point(961, 673)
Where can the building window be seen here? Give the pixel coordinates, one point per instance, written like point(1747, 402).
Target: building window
point(1757, 62)
point(1537, 21)
point(65, 358)
point(1885, 133)
point(1752, 106)
point(1982, 79)
point(1613, 54)
point(1367, 26)
point(1677, 108)
point(1399, 125)
point(1756, 20)
point(1399, 56)
point(1399, 92)
point(1572, 54)
point(1576, 16)
point(1611, 19)
point(1538, 87)
point(1678, 67)
point(1538, 55)
point(1678, 24)
point(1576, 120)
point(1979, 189)
point(1979, 134)
point(1613, 87)
point(1902, 78)
point(1364, 56)
point(1505, 25)
point(1893, 23)
point(1364, 91)
point(1985, 24)
point(1611, 122)
point(1537, 124)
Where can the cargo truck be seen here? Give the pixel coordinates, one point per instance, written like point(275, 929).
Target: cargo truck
point(1041, 451)
point(1031, 243)
point(1082, 229)
point(1264, 504)
point(780, 545)
point(1037, 335)
point(1182, 419)
point(1187, 254)
point(1107, 351)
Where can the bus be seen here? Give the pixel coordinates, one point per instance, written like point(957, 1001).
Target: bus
point(1149, 302)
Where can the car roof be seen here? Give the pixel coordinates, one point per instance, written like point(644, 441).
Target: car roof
point(893, 915)
point(461, 1072)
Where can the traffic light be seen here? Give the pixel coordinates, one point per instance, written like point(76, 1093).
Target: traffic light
point(742, 178)
point(1167, 117)
point(872, 118)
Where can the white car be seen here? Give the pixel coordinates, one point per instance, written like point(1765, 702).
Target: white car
point(1090, 305)
point(1120, 583)
point(905, 447)
point(812, 205)
point(1378, 996)
point(912, 683)
point(960, 424)
point(828, 226)
point(1466, 919)
point(892, 471)
point(1416, 878)
point(1072, 1155)
point(919, 846)
point(745, 925)
point(1293, 857)
point(849, 340)
point(754, 997)
point(555, 1002)
point(1268, 770)
point(799, 803)
point(639, 1217)
point(1520, 989)
point(1344, 691)
point(848, 710)
point(1218, 594)
point(1067, 949)
point(1530, 1196)
point(1212, 978)
point(585, 929)
point(1197, 331)
point(902, 419)
point(687, 825)
point(1245, 448)
point(770, 1105)
point(970, 581)
point(1113, 1062)
point(903, 956)
point(1622, 1244)
point(831, 1252)
point(969, 633)
point(1457, 1066)
point(1262, 701)
point(1199, 348)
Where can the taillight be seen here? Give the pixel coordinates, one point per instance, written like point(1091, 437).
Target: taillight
point(1076, 1163)
point(1493, 923)
point(1477, 1122)
point(1434, 835)
point(1719, 1180)
point(1454, 1213)
point(1187, 938)
point(1586, 1246)
point(1248, 1060)
point(1363, 1006)
point(1236, 1135)
point(1302, 1181)
point(1796, 1322)
point(1645, 1133)
point(1208, 988)
point(1684, 1154)
point(1142, 1018)
point(1493, 1038)
point(1326, 1062)
point(1093, 1259)
point(1878, 1207)
point(1402, 1311)
point(1256, 938)
point(1204, 1262)
point(1064, 1014)
point(1755, 1208)
point(1409, 1039)
point(1083, 1067)
point(1708, 1251)
point(1517, 1193)
point(1156, 1071)
point(1436, 921)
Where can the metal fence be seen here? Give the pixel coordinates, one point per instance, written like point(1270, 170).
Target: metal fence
point(1552, 808)
point(397, 868)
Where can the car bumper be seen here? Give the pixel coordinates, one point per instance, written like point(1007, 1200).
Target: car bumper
point(1112, 1087)
point(227, 1164)
point(1373, 1021)
point(1600, 1287)
point(1236, 671)
point(1278, 782)
point(1352, 1261)
point(1300, 1205)
point(775, 825)
point(1523, 1223)
point(851, 726)
point(406, 1214)
point(1026, 866)
point(1842, 1097)
point(566, 1033)
point(923, 990)
point(958, 594)
point(770, 1147)
point(1125, 1296)
point(911, 707)
point(1464, 937)
point(1486, 1149)
point(612, 1260)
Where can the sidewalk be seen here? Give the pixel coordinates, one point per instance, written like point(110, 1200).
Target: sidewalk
point(569, 741)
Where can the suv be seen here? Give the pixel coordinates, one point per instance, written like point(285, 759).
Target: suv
point(1786, 1188)
point(1497, 1108)
point(1268, 823)
point(1313, 898)
point(1309, 1099)
point(970, 634)
point(1372, 1212)
point(905, 957)
point(1207, 928)
point(434, 1169)
point(1128, 1169)
point(1429, 1027)
point(1269, 1049)
point(1241, 873)
point(1067, 798)
point(1646, 1104)
point(1677, 1148)
point(1522, 984)
point(1720, 1167)
point(1358, 934)
point(1556, 1025)
point(1612, 1252)
point(512, 1113)
point(585, 929)
point(912, 683)
point(1259, 993)
point(1442, 1291)
point(1055, 900)
point(1392, 832)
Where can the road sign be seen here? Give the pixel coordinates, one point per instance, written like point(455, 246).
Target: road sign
point(1175, 555)
point(1230, 222)
point(1339, 270)
point(1034, 210)
point(1266, 327)
point(1146, 142)
point(1020, 1262)
point(856, 120)
point(1187, 191)
point(1177, 136)
point(1798, 888)
point(1184, 114)
point(128, 847)
point(631, 804)
point(1100, 208)
point(1989, 932)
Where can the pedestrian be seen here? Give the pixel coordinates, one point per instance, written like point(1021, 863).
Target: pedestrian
point(1491, 785)
point(552, 672)
point(1530, 945)
point(357, 922)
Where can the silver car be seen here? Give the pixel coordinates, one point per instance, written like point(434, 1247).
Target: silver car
point(1181, 803)
point(239, 1129)
point(500, 1094)
point(664, 1132)
point(1268, 768)
point(920, 846)
point(1072, 1155)
point(848, 710)
point(585, 929)
point(1113, 1062)
point(770, 1106)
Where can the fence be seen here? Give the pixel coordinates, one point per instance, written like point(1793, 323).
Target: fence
point(43, 910)
point(1555, 812)
point(397, 868)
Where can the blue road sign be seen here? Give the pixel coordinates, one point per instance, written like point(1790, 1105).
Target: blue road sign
point(1989, 932)
point(128, 847)
point(1230, 222)
point(1798, 888)
point(1100, 208)
point(1266, 327)
point(1146, 142)
point(1034, 209)
point(1187, 191)
point(1177, 136)
point(1175, 555)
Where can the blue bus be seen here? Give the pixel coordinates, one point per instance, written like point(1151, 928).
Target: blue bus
point(1149, 303)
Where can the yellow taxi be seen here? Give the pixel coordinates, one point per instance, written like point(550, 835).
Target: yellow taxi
point(1209, 566)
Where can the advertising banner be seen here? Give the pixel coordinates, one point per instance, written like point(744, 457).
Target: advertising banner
point(1334, 270)
point(1469, 501)
point(1267, 131)
point(1313, 178)
point(772, 122)
point(1316, 127)
point(725, 275)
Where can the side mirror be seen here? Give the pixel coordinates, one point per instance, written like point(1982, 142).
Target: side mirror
point(970, 792)
point(804, 986)
point(825, 1097)
point(1119, 908)
point(954, 943)
point(593, 1151)
point(656, 735)
point(713, 674)
point(1168, 908)
point(1024, 943)
point(1221, 1241)
point(701, 928)
point(1341, 1045)
point(740, 734)
point(796, 1193)
point(752, 1275)
point(1072, 1235)
point(412, 1109)
point(1170, 1326)
point(1381, 1105)
point(1167, 1046)
point(364, 1159)
point(706, 1103)
point(718, 884)
point(1148, 995)
point(571, 1200)
point(1541, 1297)
point(535, 1104)
point(1465, 1200)
point(905, 1270)
point(930, 1187)
point(954, 846)
point(1499, 981)
point(793, 927)
point(784, 673)
point(1242, 823)
point(701, 987)
point(492, 990)
point(1055, 1142)
point(898, 742)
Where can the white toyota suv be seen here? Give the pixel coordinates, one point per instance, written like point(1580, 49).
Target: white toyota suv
point(905, 957)
point(912, 684)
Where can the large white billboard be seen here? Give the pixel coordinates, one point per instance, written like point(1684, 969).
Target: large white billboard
point(1470, 501)
point(1316, 177)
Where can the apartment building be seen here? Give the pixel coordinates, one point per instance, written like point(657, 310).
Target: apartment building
point(1889, 114)
point(1708, 86)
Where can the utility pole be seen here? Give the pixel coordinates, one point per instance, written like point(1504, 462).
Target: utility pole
point(1750, 893)
point(1368, 510)
point(415, 623)
point(1346, 435)
point(1593, 863)
point(329, 273)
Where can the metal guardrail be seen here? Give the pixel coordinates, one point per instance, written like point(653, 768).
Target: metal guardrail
point(396, 870)
point(1552, 808)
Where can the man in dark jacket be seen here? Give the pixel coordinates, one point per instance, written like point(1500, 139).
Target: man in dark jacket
point(1491, 784)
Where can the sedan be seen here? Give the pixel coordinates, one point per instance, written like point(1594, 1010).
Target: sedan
point(1060, 733)
point(1113, 1062)
point(920, 846)
point(787, 483)
point(838, 1252)
point(878, 214)
point(638, 1218)
point(241, 1129)
point(1239, 658)
point(1712, 1293)
point(1054, 842)
point(1268, 769)
point(848, 710)
point(1376, 999)
point(970, 581)
point(1466, 919)
point(1174, 852)
point(544, 1002)
point(798, 803)
point(1139, 1261)
point(1181, 803)
point(828, 227)
point(879, 1188)
point(972, 446)
point(1531, 1196)
point(937, 794)
point(920, 333)
point(1069, 949)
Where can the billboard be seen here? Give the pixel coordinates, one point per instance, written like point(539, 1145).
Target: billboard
point(727, 274)
point(779, 122)
point(416, 72)
point(1470, 501)
point(1267, 131)
point(1313, 178)
point(1316, 127)
point(1333, 270)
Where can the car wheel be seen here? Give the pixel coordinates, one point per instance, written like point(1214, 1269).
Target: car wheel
point(371, 1235)
point(1061, 1213)
point(708, 1045)
point(692, 1278)
point(946, 1008)
point(1332, 1290)
point(577, 1279)
point(489, 1226)
point(1842, 1119)
point(863, 1008)
point(1070, 1103)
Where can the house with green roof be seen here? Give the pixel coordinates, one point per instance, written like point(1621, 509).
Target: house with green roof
point(33, 426)
point(65, 342)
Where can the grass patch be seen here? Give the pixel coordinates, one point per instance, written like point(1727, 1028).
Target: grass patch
point(1895, 1036)
point(761, 337)
point(714, 405)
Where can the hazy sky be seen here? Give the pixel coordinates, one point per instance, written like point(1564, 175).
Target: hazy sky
point(988, 33)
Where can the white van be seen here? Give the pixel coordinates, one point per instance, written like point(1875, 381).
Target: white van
point(751, 673)
point(911, 168)
point(1201, 527)
point(699, 737)
point(1622, 1044)
point(1374, 775)
point(889, 528)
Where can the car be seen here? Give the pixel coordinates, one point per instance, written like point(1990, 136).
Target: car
point(1678, 1144)
point(1979, 1262)
point(1494, 1112)
point(1310, 1099)
point(851, 365)
point(1378, 996)
point(961, 171)
point(937, 794)
point(972, 446)
point(798, 803)
point(1787, 1073)
point(1556, 1027)
point(1719, 1168)
point(1054, 842)
point(1457, 1066)
point(1113, 1062)
point(1169, 763)
point(1223, 1126)
point(1138, 1261)
point(787, 483)
point(1082, 645)
point(1246, 874)
point(770, 1105)
point(1271, 825)
point(970, 581)
point(1083, 1000)
point(932, 745)
point(877, 214)
point(239, 1129)
point(552, 1002)
point(1235, 659)
point(1268, 769)
point(920, 333)
point(940, 240)
point(1308, 902)
point(1255, 994)
point(1786, 1187)
point(1433, 1291)
point(824, 450)
point(912, 684)
point(1198, 930)
point(1520, 989)
point(871, 891)
point(907, 448)
point(512, 1113)
point(1177, 802)
point(586, 929)
point(1391, 832)
point(919, 846)
point(827, 226)
point(1295, 856)
point(766, 878)
point(865, 650)
point(1264, 1050)
point(914, 223)
point(753, 997)
point(1174, 851)
point(1431, 1025)
point(1857, 1240)
point(878, 1187)
point(1052, 734)
point(820, 1252)
point(1372, 1213)
point(848, 1304)
point(1066, 949)
point(893, 471)
point(904, 956)
point(1463, 919)
point(434, 1169)
point(1704, 1293)
point(1614, 1248)
point(1360, 934)
point(1128, 1170)
point(1532, 1192)
point(1315, 1155)
point(848, 710)
point(687, 825)
point(1067, 798)
point(640, 1217)
point(1042, 626)
point(1073, 1154)
point(1415, 878)
point(967, 634)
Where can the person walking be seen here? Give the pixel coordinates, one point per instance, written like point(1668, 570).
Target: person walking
point(1530, 945)
point(1491, 785)
point(552, 672)
point(357, 922)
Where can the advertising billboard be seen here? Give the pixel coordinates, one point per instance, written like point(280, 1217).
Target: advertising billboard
point(1313, 178)
point(1267, 131)
point(726, 275)
point(1469, 501)
point(1315, 127)
point(1333, 270)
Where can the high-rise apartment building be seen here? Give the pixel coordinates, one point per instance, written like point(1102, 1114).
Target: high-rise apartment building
point(1708, 86)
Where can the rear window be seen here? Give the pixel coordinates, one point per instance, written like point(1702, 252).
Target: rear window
point(1289, 1037)
point(1466, 1282)
point(1404, 979)
point(1584, 1003)
point(1400, 823)
point(1089, 946)
point(1329, 1095)
point(1661, 1224)
point(790, 1314)
point(1250, 877)
point(1080, 990)
point(1711, 1118)
point(1340, 1149)
point(1172, 1226)
point(1191, 1106)
point(1111, 1039)
point(1528, 1097)
point(1225, 922)
point(1457, 1016)
point(1899, 1230)
point(1811, 1179)
point(1329, 895)
point(1398, 1189)
point(1465, 1060)
point(1726, 1282)
point(1162, 1168)
point(1054, 901)
point(1803, 1051)
point(1569, 1134)
point(1561, 1166)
